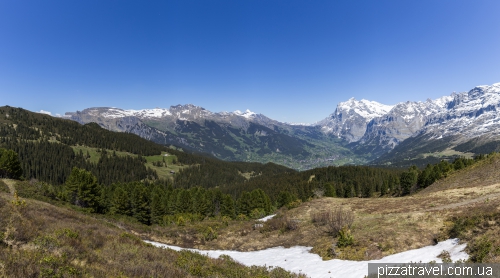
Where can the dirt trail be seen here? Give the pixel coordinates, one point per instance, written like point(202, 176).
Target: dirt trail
point(464, 203)
point(10, 184)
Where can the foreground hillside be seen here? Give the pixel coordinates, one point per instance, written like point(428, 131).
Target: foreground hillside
point(466, 204)
point(38, 239)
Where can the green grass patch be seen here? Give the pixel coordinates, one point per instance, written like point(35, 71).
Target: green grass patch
point(168, 165)
point(169, 162)
point(95, 153)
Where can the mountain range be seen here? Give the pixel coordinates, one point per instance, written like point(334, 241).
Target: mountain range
point(357, 132)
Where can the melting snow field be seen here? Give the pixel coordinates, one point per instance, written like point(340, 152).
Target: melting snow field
point(299, 260)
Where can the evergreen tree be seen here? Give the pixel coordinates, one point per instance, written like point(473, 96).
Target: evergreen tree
point(82, 189)
point(184, 201)
point(384, 188)
point(140, 203)
point(227, 206)
point(201, 203)
point(216, 202)
point(330, 190)
point(408, 180)
point(121, 202)
point(244, 203)
point(284, 198)
point(157, 209)
point(10, 167)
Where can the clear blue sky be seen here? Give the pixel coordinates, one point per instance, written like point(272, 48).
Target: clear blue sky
point(289, 60)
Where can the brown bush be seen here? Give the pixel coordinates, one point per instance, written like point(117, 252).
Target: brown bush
point(281, 223)
point(334, 220)
point(320, 218)
point(339, 219)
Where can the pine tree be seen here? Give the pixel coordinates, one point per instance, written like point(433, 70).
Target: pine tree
point(157, 209)
point(82, 189)
point(384, 188)
point(243, 204)
point(121, 202)
point(184, 201)
point(408, 179)
point(227, 206)
point(330, 190)
point(200, 203)
point(10, 167)
point(140, 203)
point(284, 198)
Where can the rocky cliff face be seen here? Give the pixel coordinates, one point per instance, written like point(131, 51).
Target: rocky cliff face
point(367, 128)
point(350, 119)
point(468, 115)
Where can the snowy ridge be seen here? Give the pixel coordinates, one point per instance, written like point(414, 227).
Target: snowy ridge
point(350, 119)
point(469, 114)
point(365, 108)
point(247, 114)
point(182, 112)
point(113, 113)
point(367, 123)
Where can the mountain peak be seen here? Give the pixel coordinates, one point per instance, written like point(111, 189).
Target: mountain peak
point(365, 108)
point(247, 114)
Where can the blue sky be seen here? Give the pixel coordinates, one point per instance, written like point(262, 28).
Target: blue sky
point(290, 60)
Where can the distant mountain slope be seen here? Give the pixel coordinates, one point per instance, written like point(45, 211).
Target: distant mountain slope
point(357, 132)
point(466, 123)
point(242, 136)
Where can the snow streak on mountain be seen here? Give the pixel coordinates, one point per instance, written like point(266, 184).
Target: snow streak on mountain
point(356, 129)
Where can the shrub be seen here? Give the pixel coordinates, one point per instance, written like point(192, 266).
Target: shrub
point(320, 218)
point(180, 221)
point(281, 223)
point(445, 256)
point(257, 213)
point(46, 242)
point(294, 204)
point(345, 237)
point(335, 220)
point(225, 220)
point(480, 249)
point(209, 234)
point(339, 219)
point(241, 217)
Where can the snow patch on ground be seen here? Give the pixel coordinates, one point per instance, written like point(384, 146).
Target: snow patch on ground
point(264, 219)
point(299, 260)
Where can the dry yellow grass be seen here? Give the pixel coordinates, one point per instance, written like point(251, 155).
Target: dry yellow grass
point(38, 239)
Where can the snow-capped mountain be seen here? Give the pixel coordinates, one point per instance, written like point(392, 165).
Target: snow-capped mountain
point(401, 122)
point(379, 128)
point(469, 115)
point(358, 129)
point(350, 119)
point(234, 135)
point(167, 118)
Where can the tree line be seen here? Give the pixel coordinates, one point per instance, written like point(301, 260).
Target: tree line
point(23, 124)
point(207, 188)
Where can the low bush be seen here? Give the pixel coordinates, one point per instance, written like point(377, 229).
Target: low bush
point(334, 220)
point(283, 223)
point(257, 213)
point(209, 234)
point(345, 237)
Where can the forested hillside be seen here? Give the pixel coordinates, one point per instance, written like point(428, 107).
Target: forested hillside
point(119, 173)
